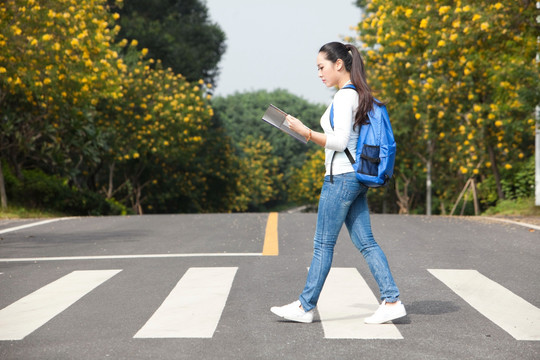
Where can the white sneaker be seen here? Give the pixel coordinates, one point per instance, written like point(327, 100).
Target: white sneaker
point(293, 312)
point(386, 313)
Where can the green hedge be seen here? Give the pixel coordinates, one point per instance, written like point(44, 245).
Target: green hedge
point(50, 192)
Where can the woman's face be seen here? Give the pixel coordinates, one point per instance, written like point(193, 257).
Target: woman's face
point(328, 71)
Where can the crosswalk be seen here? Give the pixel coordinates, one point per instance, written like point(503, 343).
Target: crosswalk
point(194, 306)
point(31, 312)
point(509, 311)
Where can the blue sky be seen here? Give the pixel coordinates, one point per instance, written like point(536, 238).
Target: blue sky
point(274, 44)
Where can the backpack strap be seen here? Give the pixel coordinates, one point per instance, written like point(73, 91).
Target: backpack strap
point(347, 152)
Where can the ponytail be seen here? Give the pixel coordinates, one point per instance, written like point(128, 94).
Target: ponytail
point(355, 66)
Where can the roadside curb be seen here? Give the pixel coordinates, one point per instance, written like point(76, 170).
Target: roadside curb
point(531, 226)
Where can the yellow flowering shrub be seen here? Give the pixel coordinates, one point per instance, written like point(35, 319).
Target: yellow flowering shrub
point(460, 82)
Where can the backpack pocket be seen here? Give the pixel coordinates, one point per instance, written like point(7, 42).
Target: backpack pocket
point(369, 160)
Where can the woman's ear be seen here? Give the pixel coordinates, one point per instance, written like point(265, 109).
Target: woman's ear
point(339, 64)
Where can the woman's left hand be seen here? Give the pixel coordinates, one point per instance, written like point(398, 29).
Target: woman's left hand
point(297, 126)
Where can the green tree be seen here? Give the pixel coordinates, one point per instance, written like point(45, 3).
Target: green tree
point(307, 181)
point(177, 32)
point(260, 179)
point(241, 115)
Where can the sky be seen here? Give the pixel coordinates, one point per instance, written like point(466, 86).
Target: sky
point(274, 44)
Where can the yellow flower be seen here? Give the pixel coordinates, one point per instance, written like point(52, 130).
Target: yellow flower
point(423, 23)
point(74, 42)
point(484, 26)
point(441, 43)
point(2, 70)
point(476, 17)
point(443, 10)
point(453, 37)
point(134, 42)
point(417, 116)
point(507, 166)
point(498, 6)
point(136, 155)
point(116, 16)
point(498, 123)
point(408, 12)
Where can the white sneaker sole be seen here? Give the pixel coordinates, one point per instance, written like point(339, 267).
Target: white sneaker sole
point(385, 319)
point(290, 318)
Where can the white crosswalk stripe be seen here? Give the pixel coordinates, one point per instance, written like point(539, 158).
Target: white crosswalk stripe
point(31, 312)
point(509, 311)
point(194, 306)
point(345, 301)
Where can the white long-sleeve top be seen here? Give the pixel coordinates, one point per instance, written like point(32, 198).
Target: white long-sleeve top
point(344, 135)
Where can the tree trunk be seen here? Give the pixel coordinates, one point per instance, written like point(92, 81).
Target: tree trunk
point(495, 170)
point(428, 187)
point(403, 198)
point(111, 177)
point(138, 207)
point(3, 195)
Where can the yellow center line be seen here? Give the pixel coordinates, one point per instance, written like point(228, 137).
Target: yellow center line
point(271, 246)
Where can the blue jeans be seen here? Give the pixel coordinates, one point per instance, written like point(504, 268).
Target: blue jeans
point(345, 201)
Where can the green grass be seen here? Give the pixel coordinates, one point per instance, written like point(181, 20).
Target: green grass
point(519, 207)
point(19, 212)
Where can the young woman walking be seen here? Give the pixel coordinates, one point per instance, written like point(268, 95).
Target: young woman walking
point(343, 198)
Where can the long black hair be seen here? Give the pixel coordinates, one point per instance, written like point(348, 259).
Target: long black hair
point(355, 66)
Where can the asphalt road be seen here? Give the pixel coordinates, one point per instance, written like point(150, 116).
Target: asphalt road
point(146, 259)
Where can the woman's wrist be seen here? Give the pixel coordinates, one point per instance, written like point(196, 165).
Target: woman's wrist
point(308, 137)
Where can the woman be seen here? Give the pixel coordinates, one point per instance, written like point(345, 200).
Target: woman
point(343, 200)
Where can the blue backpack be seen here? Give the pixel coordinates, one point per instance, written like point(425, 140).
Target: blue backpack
point(375, 149)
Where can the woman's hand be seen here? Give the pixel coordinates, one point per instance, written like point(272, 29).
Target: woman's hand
point(297, 126)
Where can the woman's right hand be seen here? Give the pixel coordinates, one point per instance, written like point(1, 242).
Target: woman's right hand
point(297, 126)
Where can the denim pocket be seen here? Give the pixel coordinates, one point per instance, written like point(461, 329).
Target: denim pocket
point(369, 160)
